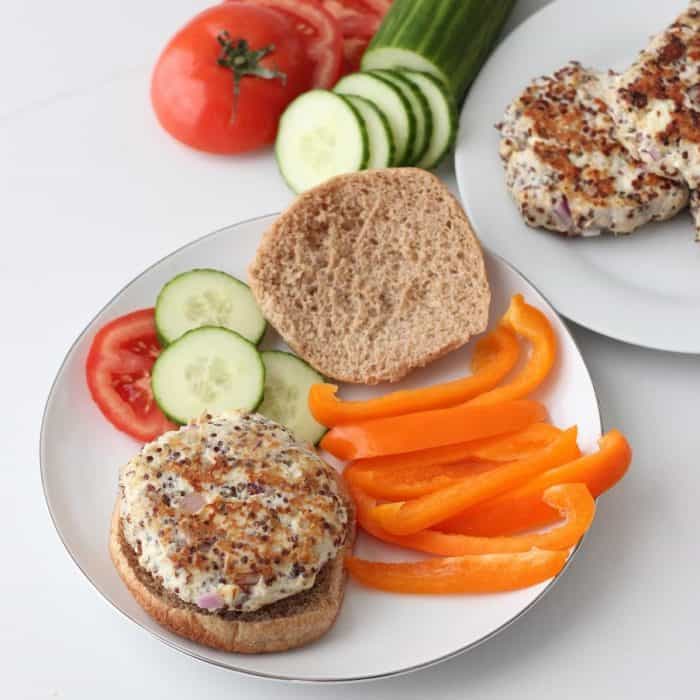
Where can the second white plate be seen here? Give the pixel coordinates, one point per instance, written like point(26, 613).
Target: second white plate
point(642, 289)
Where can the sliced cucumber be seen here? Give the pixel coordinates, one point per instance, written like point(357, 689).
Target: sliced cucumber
point(320, 135)
point(381, 142)
point(208, 369)
point(391, 101)
point(448, 38)
point(444, 121)
point(421, 110)
point(207, 298)
point(287, 383)
point(390, 57)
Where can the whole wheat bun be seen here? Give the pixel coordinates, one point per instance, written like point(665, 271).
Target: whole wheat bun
point(286, 624)
point(372, 274)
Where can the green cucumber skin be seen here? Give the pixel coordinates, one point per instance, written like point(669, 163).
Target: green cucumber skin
point(455, 35)
point(321, 378)
point(363, 131)
point(409, 111)
point(387, 129)
point(164, 342)
point(454, 118)
point(179, 421)
point(397, 75)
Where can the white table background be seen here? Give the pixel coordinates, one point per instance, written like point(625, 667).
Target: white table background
point(91, 192)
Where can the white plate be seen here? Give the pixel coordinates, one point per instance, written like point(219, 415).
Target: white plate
point(643, 289)
point(377, 634)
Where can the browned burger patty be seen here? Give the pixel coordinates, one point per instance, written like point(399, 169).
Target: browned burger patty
point(229, 523)
point(656, 102)
point(565, 169)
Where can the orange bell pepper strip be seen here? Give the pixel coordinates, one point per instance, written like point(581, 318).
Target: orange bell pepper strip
point(523, 509)
point(530, 323)
point(475, 573)
point(494, 356)
point(501, 448)
point(403, 484)
point(417, 431)
point(514, 446)
point(573, 502)
point(408, 517)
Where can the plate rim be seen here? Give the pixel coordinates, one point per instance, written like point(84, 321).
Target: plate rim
point(460, 155)
point(259, 674)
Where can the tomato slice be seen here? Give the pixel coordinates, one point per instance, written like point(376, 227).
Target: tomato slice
point(355, 17)
point(359, 21)
point(118, 370)
point(324, 40)
point(353, 49)
point(381, 7)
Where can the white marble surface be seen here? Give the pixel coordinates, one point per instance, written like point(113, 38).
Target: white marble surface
point(91, 192)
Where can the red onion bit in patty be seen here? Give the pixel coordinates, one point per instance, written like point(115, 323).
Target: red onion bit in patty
point(562, 210)
point(210, 601)
point(652, 152)
point(193, 502)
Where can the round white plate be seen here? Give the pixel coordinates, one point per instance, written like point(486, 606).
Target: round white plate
point(643, 289)
point(377, 634)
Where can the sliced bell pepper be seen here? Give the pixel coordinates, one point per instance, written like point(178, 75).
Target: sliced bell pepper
point(508, 448)
point(475, 573)
point(494, 356)
point(418, 431)
point(530, 323)
point(501, 448)
point(407, 517)
point(523, 509)
point(573, 502)
point(402, 484)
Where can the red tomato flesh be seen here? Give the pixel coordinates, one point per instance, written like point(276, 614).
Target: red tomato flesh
point(118, 370)
point(353, 50)
point(321, 33)
point(192, 94)
point(359, 21)
point(381, 7)
point(355, 17)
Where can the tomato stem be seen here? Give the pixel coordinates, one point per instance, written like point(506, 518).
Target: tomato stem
point(238, 57)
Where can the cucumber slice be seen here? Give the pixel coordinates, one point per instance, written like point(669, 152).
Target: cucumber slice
point(421, 110)
point(444, 110)
point(287, 382)
point(391, 57)
point(208, 369)
point(381, 142)
point(320, 135)
point(391, 101)
point(207, 298)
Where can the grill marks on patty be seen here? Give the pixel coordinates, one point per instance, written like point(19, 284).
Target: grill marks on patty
point(232, 507)
point(564, 166)
point(659, 79)
point(568, 126)
point(656, 102)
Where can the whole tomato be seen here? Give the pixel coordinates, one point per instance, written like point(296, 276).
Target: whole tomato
point(224, 79)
